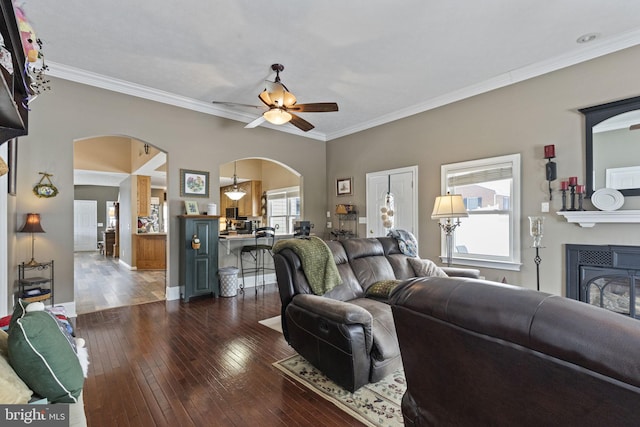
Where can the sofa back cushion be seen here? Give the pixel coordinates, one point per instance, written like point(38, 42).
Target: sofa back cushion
point(399, 261)
point(368, 261)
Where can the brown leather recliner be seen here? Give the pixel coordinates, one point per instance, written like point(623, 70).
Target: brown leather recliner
point(345, 333)
point(482, 353)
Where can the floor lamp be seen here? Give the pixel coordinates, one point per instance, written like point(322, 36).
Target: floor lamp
point(32, 225)
point(449, 207)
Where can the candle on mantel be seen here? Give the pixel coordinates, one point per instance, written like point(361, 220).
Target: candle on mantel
point(580, 188)
point(573, 180)
point(564, 185)
point(549, 151)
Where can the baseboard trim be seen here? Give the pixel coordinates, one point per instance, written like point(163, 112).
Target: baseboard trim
point(172, 293)
point(268, 279)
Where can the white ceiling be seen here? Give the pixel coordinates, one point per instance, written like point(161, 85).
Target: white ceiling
point(379, 60)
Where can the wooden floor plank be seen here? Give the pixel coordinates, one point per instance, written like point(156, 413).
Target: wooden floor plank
point(203, 363)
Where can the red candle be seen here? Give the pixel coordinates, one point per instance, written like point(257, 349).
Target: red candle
point(549, 151)
point(580, 188)
point(573, 180)
point(564, 185)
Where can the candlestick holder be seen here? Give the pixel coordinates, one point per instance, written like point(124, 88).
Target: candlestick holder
point(564, 200)
point(550, 172)
point(580, 198)
point(573, 197)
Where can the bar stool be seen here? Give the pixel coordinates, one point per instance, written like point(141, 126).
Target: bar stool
point(264, 239)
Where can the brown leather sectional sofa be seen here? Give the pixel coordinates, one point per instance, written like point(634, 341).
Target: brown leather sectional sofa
point(479, 353)
point(346, 333)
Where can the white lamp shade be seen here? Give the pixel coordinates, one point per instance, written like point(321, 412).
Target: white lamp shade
point(449, 206)
point(235, 194)
point(277, 116)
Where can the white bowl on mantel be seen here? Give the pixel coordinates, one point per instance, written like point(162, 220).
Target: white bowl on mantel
point(607, 199)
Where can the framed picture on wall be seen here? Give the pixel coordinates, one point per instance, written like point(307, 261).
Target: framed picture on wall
point(194, 183)
point(191, 207)
point(344, 187)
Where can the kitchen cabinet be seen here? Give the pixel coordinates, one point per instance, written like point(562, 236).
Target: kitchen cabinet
point(109, 239)
point(151, 252)
point(250, 204)
point(144, 195)
point(198, 275)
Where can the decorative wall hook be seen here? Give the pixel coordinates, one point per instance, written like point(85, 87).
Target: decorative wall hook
point(44, 189)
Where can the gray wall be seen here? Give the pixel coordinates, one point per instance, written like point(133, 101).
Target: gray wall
point(521, 118)
point(102, 195)
point(192, 140)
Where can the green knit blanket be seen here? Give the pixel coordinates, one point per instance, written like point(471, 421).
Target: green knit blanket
point(317, 262)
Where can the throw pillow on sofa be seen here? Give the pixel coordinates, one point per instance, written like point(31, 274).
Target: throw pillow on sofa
point(43, 354)
point(12, 389)
point(382, 289)
point(425, 268)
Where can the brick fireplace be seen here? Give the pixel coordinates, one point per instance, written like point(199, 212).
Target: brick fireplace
point(606, 276)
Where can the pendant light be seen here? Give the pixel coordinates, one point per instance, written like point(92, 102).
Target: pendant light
point(235, 193)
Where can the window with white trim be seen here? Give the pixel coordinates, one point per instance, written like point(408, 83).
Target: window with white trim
point(490, 188)
point(283, 209)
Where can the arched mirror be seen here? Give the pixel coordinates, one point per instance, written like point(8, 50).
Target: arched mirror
point(612, 134)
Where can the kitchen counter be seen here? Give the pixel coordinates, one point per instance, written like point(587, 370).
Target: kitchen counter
point(150, 250)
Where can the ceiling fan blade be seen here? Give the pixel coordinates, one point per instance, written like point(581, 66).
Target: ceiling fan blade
point(257, 122)
point(316, 107)
point(235, 104)
point(300, 123)
point(634, 127)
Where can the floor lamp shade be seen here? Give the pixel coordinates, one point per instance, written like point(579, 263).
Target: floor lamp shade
point(32, 225)
point(448, 207)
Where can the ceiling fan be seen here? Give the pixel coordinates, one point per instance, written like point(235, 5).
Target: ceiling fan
point(280, 105)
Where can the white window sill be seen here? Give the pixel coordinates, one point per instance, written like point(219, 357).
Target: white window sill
point(498, 265)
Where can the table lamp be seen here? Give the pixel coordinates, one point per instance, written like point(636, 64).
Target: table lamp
point(32, 225)
point(448, 207)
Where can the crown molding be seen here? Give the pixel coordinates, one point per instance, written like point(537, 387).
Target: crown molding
point(89, 78)
point(596, 49)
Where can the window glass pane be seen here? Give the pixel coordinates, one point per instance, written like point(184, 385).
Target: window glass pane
point(489, 188)
point(483, 234)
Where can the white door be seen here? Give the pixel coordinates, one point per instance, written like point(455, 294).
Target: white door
point(403, 185)
point(85, 225)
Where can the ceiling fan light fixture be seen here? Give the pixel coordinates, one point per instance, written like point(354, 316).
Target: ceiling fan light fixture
point(277, 116)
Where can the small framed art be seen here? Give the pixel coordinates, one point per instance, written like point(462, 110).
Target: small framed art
point(194, 183)
point(191, 207)
point(344, 187)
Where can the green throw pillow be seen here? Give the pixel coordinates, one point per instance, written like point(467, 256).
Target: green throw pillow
point(382, 289)
point(43, 354)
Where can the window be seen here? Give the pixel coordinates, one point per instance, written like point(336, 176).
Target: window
point(283, 209)
point(490, 188)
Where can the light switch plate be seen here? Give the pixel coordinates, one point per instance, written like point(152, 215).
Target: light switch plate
point(362, 220)
point(544, 207)
point(329, 225)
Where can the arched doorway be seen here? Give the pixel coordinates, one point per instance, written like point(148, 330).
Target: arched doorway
point(125, 179)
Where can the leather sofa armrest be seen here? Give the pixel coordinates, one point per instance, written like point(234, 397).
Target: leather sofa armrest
point(461, 272)
point(334, 310)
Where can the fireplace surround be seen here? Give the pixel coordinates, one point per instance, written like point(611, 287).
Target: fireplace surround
point(607, 276)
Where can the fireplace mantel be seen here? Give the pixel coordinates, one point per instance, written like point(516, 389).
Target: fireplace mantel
point(591, 218)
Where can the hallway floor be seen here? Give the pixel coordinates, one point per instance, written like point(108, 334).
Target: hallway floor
point(102, 282)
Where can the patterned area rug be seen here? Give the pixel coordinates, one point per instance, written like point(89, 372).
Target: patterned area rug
point(373, 404)
point(272, 323)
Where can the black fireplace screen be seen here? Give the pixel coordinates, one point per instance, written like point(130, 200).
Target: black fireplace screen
point(605, 276)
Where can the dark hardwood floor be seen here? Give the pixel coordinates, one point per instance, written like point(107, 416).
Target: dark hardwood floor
point(203, 363)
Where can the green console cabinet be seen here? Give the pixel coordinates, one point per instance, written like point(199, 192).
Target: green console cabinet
point(198, 256)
